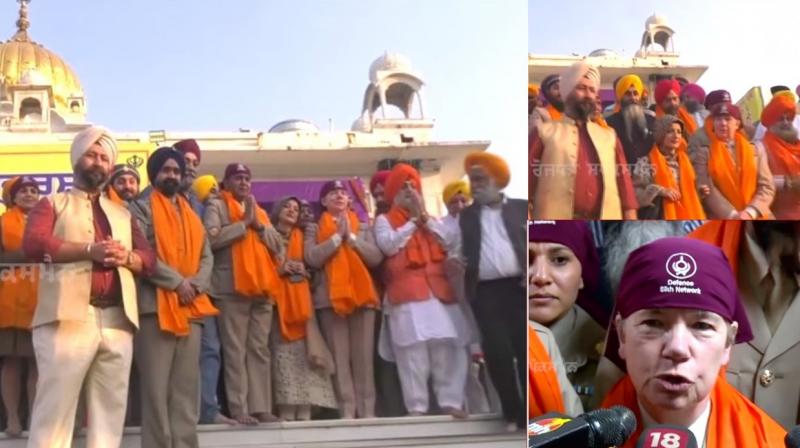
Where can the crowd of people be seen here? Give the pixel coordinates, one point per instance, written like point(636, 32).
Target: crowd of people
point(187, 303)
point(684, 323)
point(689, 155)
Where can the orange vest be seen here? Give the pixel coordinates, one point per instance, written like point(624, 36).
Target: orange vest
point(405, 284)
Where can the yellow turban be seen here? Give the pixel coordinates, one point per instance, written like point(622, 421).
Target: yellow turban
point(202, 186)
point(625, 83)
point(454, 188)
point(787, 93)
point(493, 164)
point(533, 89)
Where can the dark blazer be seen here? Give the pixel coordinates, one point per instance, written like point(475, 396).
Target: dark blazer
point(640, 145)
point(515, 216)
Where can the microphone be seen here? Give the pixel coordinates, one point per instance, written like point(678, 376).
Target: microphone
point(600, 428)
point(792, 439)
point(666, 436)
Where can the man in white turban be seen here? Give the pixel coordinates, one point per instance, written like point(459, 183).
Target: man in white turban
point(86, 310)
point(577, 167)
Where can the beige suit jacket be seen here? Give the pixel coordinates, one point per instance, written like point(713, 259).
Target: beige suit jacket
point(222, 234)
point(316, 254)
point(165, 276)
point(717, 207)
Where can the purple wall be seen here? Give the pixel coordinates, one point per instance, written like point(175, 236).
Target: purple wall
point(267, 192)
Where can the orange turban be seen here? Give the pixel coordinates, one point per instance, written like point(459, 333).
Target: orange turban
point(533, 90)
point(493, 164)
point(398, 177)
point(8, 185)
point(779, 105)
point(625, 83)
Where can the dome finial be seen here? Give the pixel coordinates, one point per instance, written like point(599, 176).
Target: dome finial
point(22, 23)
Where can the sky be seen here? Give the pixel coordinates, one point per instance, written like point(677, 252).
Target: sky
point(220, 66)
point(744, 43)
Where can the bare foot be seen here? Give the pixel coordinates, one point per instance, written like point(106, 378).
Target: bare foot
point(220, 419)
point(266, 417)
point(245, 419)
point(455, 412)
point(13, 429)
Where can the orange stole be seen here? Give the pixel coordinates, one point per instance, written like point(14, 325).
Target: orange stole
point(544, 392)
point(555, 114)
point(727, 235)
point(179, 243)
point(112, 194)
point(294, 299)
point(737, 185)
point(254, 272)
point(689, 125)
point(416, 256)
point(19, 286)
point(349, 282)
point(689, 207)
point(784, 157)
point(734, 420)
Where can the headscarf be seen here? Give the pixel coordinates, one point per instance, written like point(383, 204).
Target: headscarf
point(160, 156)
point(86, 138)
point(577, 236)
point(453, 188)
point(625, 83)
point(495, 165)
point(575, 73)
point(275, 212)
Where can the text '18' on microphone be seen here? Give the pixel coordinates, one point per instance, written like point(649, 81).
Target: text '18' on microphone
point(666, 436)
point(600, 428)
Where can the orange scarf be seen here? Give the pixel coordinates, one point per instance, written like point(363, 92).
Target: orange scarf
point(734, 420)
point(544, 392)
point(254, 272)
point(689, 207)
point(600, 121)
point(737, 185)
point(349, 283)
point(114, 197)
point(294, 299)
point(422, 236)
point(555, 114)
point(19, 286)
point(784, 157)
point(727, 235)
point(179, 244)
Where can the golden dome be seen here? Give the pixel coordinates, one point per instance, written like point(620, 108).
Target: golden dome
point(20, 54)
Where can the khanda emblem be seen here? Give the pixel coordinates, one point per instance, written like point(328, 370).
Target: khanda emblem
point(681, 266)
point(134, 161)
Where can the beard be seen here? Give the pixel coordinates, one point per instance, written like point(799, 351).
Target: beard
point(127, 195)
point(786, 133)
point(691, 106)
point(169, 187)
point(581, 110)
point(558, 104)
point(93, 177)
point(671, 110)
point(631, 236)
point(633, 117)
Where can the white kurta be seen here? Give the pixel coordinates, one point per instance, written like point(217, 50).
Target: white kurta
point(428, 338)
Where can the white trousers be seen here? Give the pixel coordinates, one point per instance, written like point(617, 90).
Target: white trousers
point(443, 360)
point(96, 354)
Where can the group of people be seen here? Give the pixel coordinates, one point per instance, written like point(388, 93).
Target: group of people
point(684, 325)
point(690, 155)
point(153, 298)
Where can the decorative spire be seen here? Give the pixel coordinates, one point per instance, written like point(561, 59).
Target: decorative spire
point(22, 23)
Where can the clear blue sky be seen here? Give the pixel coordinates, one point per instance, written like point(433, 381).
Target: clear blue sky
point(744, 42)
point(215, 66)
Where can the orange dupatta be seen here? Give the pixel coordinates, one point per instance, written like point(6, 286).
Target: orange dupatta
point(254, 272)
point(555, 114)
point(19, 286)
point(416, 256)
point(727, 235)
point(737, 185)
point(179, 238)
point(689, 207)
point(294, 299)
point(114, 197)
point(734, 420)
point(349, 282)
point(544, 392)
point(784, 157)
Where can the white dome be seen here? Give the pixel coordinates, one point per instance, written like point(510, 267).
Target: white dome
point(389, 62)
point(655, 20)
point(603, 52)
point(33, 77)
point(362, 124)
point(295, 125)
